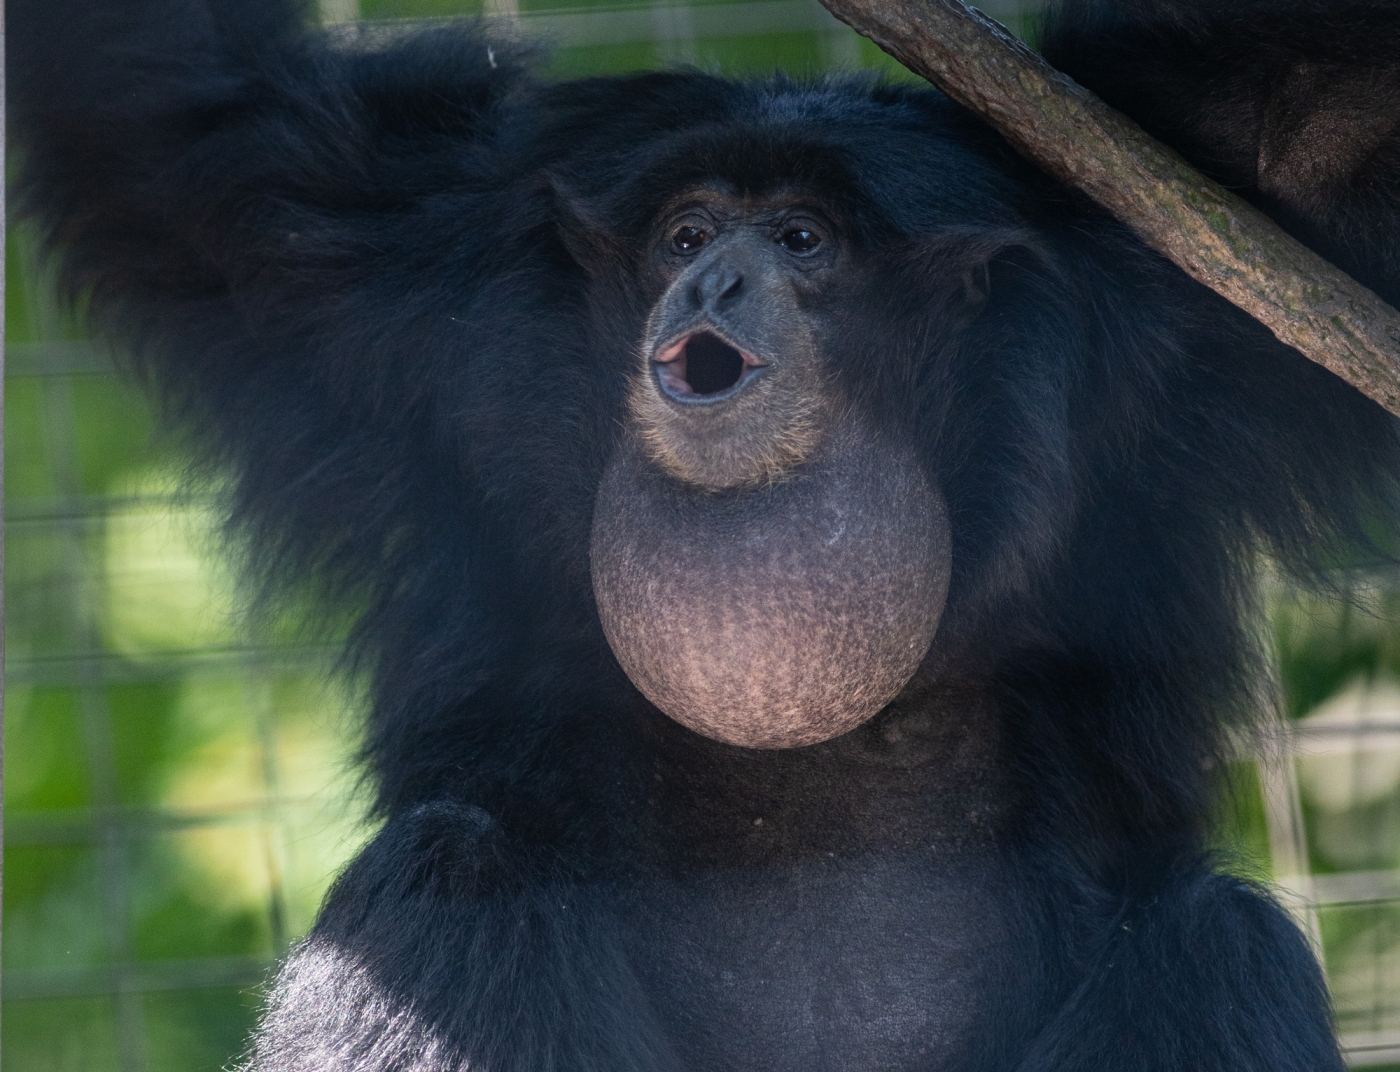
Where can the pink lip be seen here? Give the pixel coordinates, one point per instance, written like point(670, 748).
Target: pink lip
point(672, 352)
point(677, 350)
point(675, 375)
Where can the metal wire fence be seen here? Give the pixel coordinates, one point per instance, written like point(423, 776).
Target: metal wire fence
point(1329, 795)
point(178, 793)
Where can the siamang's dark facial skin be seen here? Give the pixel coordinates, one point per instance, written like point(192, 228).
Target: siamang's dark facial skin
point(768, 570)
point(734, 393)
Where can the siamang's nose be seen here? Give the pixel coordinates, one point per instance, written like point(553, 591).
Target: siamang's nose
point(719, 286)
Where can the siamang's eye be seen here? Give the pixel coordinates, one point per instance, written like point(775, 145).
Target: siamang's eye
point(688, 239)
point(799, 240)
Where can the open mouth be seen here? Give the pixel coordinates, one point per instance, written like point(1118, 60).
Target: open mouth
point(703, 367)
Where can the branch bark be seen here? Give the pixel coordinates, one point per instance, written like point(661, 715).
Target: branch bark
point(1211, 234)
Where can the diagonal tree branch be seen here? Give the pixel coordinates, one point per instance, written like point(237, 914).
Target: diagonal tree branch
point(1208, 232)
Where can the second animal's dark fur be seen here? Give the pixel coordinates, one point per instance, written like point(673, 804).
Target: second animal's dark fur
point(397, 290)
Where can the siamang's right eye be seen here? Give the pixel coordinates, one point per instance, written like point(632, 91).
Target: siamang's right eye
point(687, 239)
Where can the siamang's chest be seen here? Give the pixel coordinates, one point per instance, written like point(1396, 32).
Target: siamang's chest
point(859, 965)
point(842, 907)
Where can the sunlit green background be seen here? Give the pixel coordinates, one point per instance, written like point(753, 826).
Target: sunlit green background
point(177, 787)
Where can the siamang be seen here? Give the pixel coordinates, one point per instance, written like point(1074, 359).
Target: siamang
point(801, 555)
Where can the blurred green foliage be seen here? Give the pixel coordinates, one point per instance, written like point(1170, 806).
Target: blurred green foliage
point(177, 789)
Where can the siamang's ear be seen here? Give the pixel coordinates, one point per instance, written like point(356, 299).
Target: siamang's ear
point(976, 286)
point(972, 256)
point(585, 232)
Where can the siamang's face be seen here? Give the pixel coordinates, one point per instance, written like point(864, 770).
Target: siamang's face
point(769, 567)
point(734, 392)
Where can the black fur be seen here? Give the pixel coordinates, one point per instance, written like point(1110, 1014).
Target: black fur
point(392, 292)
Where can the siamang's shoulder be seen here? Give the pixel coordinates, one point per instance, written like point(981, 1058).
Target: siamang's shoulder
point(1209, 76)
point(1290, 102)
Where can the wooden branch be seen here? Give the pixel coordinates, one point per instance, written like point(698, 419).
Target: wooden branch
point(1208, 232)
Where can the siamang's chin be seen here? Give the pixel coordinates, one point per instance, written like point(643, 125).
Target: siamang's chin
point(779, 616)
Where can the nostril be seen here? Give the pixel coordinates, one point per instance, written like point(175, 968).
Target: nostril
point(718, 284)
point(711, 364)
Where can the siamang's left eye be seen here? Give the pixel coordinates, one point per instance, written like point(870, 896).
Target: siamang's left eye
point(799, 240)
point(687, 239)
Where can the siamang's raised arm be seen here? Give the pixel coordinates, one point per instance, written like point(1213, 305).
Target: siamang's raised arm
point(342, 265)
point(1296, 103)
point(216, 151)
point(306, 244)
